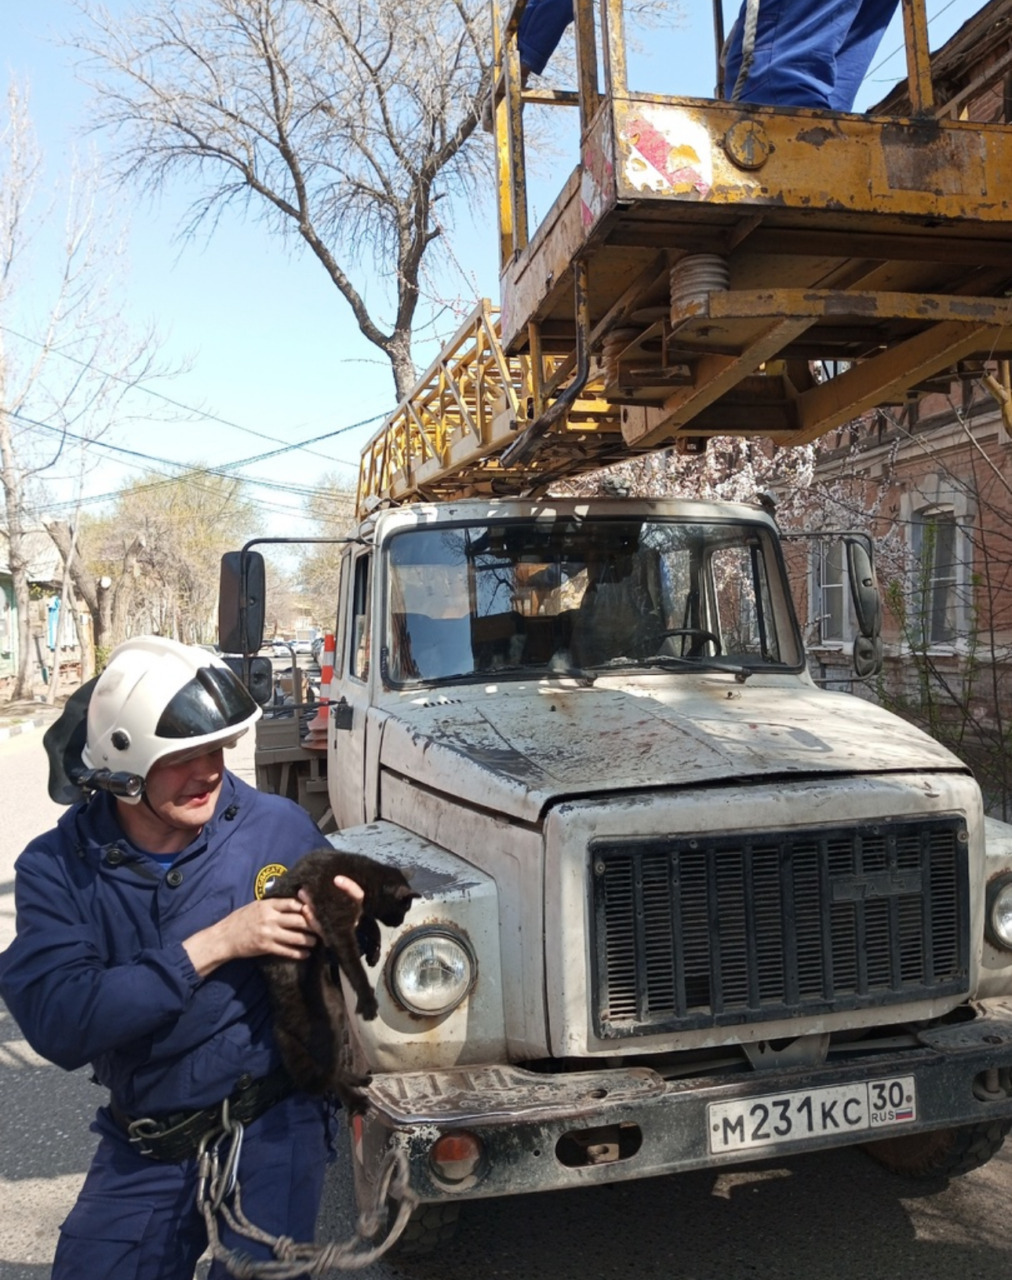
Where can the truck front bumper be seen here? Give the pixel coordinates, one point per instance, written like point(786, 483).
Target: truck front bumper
point(539, 1132)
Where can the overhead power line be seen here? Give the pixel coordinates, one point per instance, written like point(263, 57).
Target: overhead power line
point(159, 395)
point(225, 471)
point(902, 48)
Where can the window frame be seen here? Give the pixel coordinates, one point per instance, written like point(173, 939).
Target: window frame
point(927, 578)
point(821, 549)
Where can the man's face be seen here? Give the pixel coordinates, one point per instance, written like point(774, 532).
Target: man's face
point(183, 794)
point(180, 796)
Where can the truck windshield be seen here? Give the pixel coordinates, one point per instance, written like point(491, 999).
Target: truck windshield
point(569, 595)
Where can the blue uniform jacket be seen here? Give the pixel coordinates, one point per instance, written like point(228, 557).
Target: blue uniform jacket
point(98, 973)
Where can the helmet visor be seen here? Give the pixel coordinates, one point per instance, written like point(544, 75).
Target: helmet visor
point(214, 700)
point(202, 749)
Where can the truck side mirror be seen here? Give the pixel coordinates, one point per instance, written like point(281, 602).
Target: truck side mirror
point(867, 606)
point(257, 674)
point(863, 587)
point(867, 656)
point(241, 595)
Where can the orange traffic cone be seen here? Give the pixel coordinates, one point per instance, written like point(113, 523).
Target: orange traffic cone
point(316, 733)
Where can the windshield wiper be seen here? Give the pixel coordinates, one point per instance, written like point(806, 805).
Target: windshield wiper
point(665, 660)
point(679, 662)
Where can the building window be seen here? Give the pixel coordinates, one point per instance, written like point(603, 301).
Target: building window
point(830, 595)
point(938, 546)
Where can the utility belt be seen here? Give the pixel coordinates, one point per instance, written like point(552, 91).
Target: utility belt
point(178, 1136)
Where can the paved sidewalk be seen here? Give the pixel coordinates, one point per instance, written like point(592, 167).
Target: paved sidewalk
point(29, 715)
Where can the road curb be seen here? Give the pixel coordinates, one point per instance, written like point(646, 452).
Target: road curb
point(23, 726)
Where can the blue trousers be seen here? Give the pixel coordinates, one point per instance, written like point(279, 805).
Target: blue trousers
point(136, 1219)
point(541, 29)
point(809, 53)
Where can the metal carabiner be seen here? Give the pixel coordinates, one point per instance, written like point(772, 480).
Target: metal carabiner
point(207, 1163)
point(224, 1183)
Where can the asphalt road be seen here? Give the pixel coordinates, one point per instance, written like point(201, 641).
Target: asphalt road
point(834, 1215)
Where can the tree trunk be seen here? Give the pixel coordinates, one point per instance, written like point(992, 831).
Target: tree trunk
point(399, 353)
point(85, 639)
point(24, 679)
point(107, 601)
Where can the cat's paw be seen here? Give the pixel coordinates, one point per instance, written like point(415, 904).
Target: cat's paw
point(367, 935)
point(367, 1007)
point(349, 1093)
point(358, 1105)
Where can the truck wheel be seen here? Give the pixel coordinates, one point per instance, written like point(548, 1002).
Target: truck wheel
point(945, 1153)
point(430, 1226)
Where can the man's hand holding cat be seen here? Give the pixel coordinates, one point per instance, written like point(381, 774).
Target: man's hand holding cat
point(268, 927)
point(346, 885)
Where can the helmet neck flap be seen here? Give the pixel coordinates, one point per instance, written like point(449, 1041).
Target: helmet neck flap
point(155, 698)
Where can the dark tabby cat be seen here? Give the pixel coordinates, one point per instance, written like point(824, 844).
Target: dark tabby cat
point(306, 994)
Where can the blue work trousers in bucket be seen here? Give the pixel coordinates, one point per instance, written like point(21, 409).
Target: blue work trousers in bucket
point(808, 53)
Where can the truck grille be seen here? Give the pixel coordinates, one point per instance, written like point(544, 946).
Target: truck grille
point(726, 929)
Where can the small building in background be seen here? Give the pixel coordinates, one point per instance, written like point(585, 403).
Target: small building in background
point(53, 638)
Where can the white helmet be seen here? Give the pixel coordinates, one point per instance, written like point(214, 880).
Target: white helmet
point(158, 698)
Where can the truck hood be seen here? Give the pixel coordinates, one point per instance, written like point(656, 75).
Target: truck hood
point(518, 748)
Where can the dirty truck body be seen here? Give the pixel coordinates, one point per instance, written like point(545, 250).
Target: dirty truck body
point(681, 908)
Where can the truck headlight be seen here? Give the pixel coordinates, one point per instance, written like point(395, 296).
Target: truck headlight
point(431, 971)
point(999, 910)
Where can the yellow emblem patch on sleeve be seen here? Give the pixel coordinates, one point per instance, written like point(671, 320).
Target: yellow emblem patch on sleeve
point(266, 877)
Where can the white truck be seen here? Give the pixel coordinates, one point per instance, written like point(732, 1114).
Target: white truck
point(680, 907)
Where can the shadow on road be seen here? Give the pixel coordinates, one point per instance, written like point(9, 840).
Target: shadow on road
point(46, 1112)
point(833, 1214)
point(45, 1150)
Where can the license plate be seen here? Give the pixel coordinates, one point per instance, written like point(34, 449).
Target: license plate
point(777, 1118)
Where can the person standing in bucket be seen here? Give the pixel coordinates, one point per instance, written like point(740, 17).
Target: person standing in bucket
point(140, 918)
point(804, 53)
point(788, 53)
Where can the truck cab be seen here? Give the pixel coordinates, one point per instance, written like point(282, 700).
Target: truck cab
point(680, 907)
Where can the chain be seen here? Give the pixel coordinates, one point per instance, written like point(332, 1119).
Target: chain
point(218, 1183)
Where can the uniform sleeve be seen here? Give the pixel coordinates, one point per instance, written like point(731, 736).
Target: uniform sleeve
point(70, 1005)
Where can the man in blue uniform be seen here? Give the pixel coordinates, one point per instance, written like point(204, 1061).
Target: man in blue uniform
point(139, 920)
point(541, 28)
point(804, 53)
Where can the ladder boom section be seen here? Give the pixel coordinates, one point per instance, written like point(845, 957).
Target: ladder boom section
point(446, 440)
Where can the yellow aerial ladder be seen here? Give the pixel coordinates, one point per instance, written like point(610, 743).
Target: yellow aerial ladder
point(699, 260)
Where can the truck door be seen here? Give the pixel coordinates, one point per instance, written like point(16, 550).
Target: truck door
point(346, 760)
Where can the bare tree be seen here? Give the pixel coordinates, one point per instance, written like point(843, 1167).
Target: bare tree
point(56, 306)
point(930, 484)
point(952, 599)
point(731, 469)
point(106, 595)
point(159, 549)
point(340, 122)
point(331, 507)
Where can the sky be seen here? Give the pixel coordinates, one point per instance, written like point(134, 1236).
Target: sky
point(270, 354)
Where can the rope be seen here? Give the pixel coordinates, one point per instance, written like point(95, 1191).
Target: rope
point(747, 47)
point(217, 1184)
